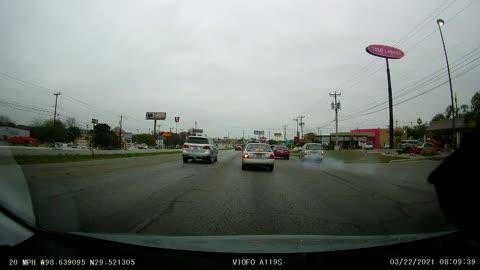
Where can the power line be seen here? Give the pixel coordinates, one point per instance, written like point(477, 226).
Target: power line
point(438, 74)
point(373, 63)
point(32, 85)
point(50, 91)
point(429, 90)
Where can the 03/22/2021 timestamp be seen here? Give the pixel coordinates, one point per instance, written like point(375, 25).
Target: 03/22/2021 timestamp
point(432, 262)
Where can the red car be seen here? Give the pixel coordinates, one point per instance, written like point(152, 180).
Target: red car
point(417, 149)
point(281, 152)
point(238, 148)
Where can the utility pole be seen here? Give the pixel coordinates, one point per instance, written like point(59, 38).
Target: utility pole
point(318, 132)
point(121, 119)
point(55, 112)
point(269, 135)
point(336, 106)
point(285, 133)
point(396, 123)
point(243, 137)
point(296, 119)
point(301, 125)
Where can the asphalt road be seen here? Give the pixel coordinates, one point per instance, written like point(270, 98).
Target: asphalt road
point(161, 195)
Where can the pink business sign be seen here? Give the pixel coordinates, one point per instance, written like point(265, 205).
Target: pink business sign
point(385, 51)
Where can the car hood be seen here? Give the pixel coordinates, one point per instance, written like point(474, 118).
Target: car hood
point(262, 243)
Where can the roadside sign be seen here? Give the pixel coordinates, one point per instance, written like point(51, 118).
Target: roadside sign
point(385, 51)
point(156, 116)
point(277, 134)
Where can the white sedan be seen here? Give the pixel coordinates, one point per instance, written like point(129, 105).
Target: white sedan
point(258, 154)
point(312, 151)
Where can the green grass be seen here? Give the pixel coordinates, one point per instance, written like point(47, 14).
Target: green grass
point(25, 160)
point(355, 156)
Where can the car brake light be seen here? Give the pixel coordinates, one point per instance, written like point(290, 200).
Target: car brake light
point(245, 156)
point(185, 146)
point(272, 156)
point(305, 152)
point(207, 147)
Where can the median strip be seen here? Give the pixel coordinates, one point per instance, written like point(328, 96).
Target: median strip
point(38, 159)
point(356, 156)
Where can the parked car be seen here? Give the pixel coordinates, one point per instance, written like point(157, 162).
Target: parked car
point(427, 146)
point(238, 148)
point(258, 154)
point(312, 151)
point(59, 146)
point(281, 151)
point(367, 146)
point(200, 148)
point(406, 146)
point(142, 146)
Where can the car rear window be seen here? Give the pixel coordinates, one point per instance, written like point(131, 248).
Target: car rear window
point(280, 148)
point(197, 140)
point(313, 147)
point(253, 147)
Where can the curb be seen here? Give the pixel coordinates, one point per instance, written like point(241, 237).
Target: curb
point(407, 160)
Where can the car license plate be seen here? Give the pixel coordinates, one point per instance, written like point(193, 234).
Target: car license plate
point(258, 156)
point(314, 152)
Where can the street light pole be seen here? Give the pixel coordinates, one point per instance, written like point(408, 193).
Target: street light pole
point(440, 22)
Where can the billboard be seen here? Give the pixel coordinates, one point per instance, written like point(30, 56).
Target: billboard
point(156, 116)
point(258, 132)
point(177, 119)
point(385, 51)
point(195, 130)
point(277, 134)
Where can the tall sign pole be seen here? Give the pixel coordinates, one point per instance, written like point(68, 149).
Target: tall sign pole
point(387, 52)
point(55, 112)
point(177, 119)
point(390, 106)
point(155, 116)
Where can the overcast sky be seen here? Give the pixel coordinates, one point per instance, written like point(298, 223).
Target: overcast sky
point(234, 65)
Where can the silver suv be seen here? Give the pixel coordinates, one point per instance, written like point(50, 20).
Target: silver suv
point(200, 148)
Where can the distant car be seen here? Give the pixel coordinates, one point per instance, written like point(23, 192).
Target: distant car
point(199, 148)
point(312, 152)
point(238, 148)
point(258, 154)
point(281, 151)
